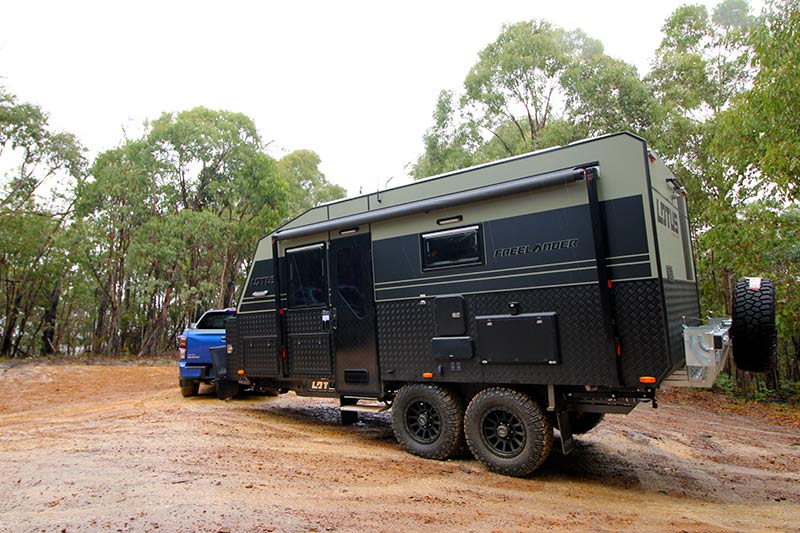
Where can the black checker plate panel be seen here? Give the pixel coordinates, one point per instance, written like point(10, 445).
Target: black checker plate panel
point(260, 356)
point(682, 300)
point(640, 323)
point(405, 329)
point(586, 354)
point(256, 348)
point(257, 324)
point(304, 321)
point(587, 358)
point(309, 349)
point(310, 355)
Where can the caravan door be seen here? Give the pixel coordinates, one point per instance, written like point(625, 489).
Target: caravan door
point(352, 301)
point(308, 320)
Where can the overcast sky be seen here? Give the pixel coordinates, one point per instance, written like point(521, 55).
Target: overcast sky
point(354, 81)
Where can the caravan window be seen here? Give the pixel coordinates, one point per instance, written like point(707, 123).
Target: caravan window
point(455, 247)
point(307, 276)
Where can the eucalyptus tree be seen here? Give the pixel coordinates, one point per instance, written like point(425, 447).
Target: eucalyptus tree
point(307, 185)
point(700, 66)
point(758, 137)
point(171, 218)
point(40, 166)
point(535, 86)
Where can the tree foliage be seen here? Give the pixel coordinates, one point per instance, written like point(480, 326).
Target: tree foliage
point(171, 220)
point(761, 130)
point(535, 86)
point(757, 138)
point(39, 165)
point(161, 229)
point(307, 184)
point(118, 256)
point(719, 104)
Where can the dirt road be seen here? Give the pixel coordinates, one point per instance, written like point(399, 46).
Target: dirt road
point(86, 448)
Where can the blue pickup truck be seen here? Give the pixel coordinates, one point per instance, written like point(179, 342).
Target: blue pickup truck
point(195, 359)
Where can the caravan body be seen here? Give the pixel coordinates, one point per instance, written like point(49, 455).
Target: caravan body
point(565, 276)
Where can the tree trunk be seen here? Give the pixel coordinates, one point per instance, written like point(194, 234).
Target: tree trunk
point(49, 320)
point(727, 292)
point(99, 337)
point(223, 282)
point(11, 323)
point(65, 325)
point(152, 344)
point(20, 333)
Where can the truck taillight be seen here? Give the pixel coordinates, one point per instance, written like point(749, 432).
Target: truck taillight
point(182, 346)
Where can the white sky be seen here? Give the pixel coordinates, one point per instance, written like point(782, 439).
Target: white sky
point(354, 81)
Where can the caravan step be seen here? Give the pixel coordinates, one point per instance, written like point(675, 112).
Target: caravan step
point(679, 378)
point(372, 408)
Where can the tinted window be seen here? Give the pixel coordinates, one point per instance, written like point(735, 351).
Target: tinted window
point(215, 320)
point(351, 279)
point(306, 276)
point(453, 247)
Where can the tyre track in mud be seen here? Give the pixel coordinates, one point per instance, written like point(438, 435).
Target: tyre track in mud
point(116, 447)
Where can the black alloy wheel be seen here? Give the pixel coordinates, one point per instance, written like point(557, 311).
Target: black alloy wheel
point(424, 422)
point(508, 431)
point(428, 420)
point(503, 432)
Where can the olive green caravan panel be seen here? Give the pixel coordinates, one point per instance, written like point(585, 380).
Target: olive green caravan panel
point(672, 223)
point(347, 207)
point(621, 158)
point(623, 172)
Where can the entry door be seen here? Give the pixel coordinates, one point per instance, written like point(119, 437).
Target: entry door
point(308, 318)
point(352, 300)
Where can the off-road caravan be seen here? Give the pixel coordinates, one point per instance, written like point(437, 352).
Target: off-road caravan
point(493, 303)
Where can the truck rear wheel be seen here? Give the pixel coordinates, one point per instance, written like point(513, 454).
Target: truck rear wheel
point(508, 431)
point(428, 420)
point(189, 387)
point(753, 326)
point(227, 390)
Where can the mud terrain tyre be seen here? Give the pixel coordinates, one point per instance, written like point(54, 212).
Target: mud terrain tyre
point(189, 387)
point(753, 328)
point(428, 420)
point(508, 431)
point(581, 423)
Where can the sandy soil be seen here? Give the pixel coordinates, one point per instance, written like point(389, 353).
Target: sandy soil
point(86, 448)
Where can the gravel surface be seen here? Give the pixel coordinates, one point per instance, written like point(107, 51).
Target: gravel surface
point(86, 448)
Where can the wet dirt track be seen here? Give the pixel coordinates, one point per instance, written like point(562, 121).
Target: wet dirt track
point(85, 448)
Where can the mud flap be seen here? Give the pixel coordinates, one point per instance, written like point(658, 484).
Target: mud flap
point(564, 428)
point(219, 362)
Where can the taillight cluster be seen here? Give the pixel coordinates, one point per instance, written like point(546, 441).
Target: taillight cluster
point(182, 347)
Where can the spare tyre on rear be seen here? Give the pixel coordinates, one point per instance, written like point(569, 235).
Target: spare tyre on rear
point(753, 329)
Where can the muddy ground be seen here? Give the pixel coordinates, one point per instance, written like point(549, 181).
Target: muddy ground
point(86, 448)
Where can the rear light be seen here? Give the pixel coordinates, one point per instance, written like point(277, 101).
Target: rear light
point(182, 347)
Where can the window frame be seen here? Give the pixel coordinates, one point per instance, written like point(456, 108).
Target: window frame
point(320, 246)
point(425, 237)
point(210, 315)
